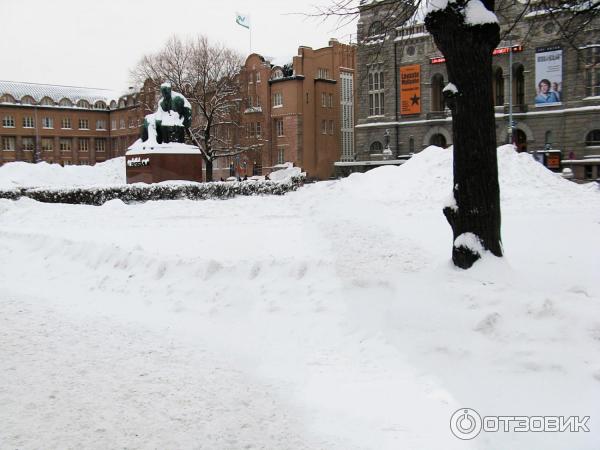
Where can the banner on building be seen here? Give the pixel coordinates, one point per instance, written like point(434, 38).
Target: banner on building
point(548, 76)
point(410, 89)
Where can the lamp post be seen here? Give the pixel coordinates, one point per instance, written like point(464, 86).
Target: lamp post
point(510, 88)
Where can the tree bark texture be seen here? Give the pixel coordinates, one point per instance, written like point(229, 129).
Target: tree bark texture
point(468, 52)
point(209, 169)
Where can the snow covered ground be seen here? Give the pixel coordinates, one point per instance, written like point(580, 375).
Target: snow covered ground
point(330, 318)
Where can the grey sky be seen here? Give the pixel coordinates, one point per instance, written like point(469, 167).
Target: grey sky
point(96, 43)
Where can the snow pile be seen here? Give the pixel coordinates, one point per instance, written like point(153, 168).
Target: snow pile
point(22, 174)
point(329, 318)
point(286, 174)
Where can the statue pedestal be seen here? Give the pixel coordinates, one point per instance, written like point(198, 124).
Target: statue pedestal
point(153, 163)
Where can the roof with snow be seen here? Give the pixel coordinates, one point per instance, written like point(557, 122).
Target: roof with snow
point(18, 90)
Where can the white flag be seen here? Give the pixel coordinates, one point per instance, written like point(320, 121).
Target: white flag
point(242, 19)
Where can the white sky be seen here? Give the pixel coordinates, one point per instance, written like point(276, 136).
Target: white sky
point(96, 43)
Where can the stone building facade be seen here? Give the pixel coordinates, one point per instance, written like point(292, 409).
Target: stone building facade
point(301, 112)
point(390, 127)
point(66, 125)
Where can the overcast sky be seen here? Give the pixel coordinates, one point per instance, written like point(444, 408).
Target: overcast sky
point(96, 43)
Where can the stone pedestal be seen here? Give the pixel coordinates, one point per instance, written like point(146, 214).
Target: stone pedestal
point(163, 162)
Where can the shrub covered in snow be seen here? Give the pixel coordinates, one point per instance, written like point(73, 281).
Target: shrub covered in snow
point(97, 195)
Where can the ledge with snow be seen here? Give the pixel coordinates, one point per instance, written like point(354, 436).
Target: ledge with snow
point(149, 162)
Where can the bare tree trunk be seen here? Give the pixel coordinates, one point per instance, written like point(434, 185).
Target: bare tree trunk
point(468, 53)
point(209, 169)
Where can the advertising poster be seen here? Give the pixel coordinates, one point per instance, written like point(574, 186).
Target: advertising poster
point(410, 89)
point(548, 76)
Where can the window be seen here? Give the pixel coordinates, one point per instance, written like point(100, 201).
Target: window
point(277, 73)
point(84, 124)
point(258, 77)
point(65, 123)
point(132, 123)
point(323, 127)
point(592, 69)
point(27, 100)
point(47, 144)
point(65, 144)
point(280, 155)
point(47, 101)
point(122, 103)
point(258, 130)
point(250, 130)
point(330, 100)
point(588, 172)
point(65, 102)
point(437, 95)
point(323, 99)
point(100, 145)
point(498, 87)
point(593, 138)
point(8, 122)
point(279, 127)
point(28, 144)
point(376, 147)
point(100, 105)
point(48, 122)
point(347, 115)
point(376, 90)
point(83, 104)
point(122, 124)
point(323, 73)
point(100, 124)
point(519, 85)
point(331, 127)
point(84, 144)
point(277, 99)
point(28, 122)
point(113, 124)
point(7, 98)
point(8, 143)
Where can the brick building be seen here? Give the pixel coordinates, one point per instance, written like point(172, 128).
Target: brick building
point(301, 112)
point(390, 127)
point(65, 124)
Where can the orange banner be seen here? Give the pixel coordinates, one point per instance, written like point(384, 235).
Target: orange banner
point(410, 89)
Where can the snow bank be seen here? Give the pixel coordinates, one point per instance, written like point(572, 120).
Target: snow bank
point(286, 174)
point(22, 174)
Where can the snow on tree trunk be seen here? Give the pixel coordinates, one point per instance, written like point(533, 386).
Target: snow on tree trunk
point(468, 52)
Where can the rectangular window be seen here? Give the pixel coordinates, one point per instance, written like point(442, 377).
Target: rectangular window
point(323, 127)
point(277, 99)
point(100, 145)
point(28, 122)
point(65, 123)
point(113, 124)
point(48, 122)
point(65, 144)
point(84, 144)
point(323, 73)
point(323, 99)
point(279, 127)
point(331, 127)
point(258, 77)
point(100, 124)
point(122, 124)
point(250, 130)
point(28, 144)
point(258, 130)
point(8, 122)
point(47, 144)
point(592, 70)
point(280, 155)
point(84, 124)
point(330, 100)
point(132, 123)
point(8, 143)
point(376, 90)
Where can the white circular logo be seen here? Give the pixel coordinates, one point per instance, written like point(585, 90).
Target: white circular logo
point(465, 424)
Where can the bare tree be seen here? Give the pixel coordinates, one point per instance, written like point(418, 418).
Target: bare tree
point(207, 75)
point(466, 32)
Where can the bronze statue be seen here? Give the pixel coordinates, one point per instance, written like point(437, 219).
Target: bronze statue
point(172, 117)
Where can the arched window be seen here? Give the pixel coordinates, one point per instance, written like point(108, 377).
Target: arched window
point(27, 100)
point(47, 101)
point(99, 105)
point(498, 87)
point(548, 138)
point(519, 84)
point(83, 104)
point(113, 105)
point(376, 147)
point(122, 103)
point(593, 138)
point(65, 102)
point(7, 98)
point(439, 140)
point(277, 73)
point(437, 97)
point(376, 29)
point(130, 101)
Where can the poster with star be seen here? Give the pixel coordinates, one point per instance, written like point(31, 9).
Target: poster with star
point(410, 89)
